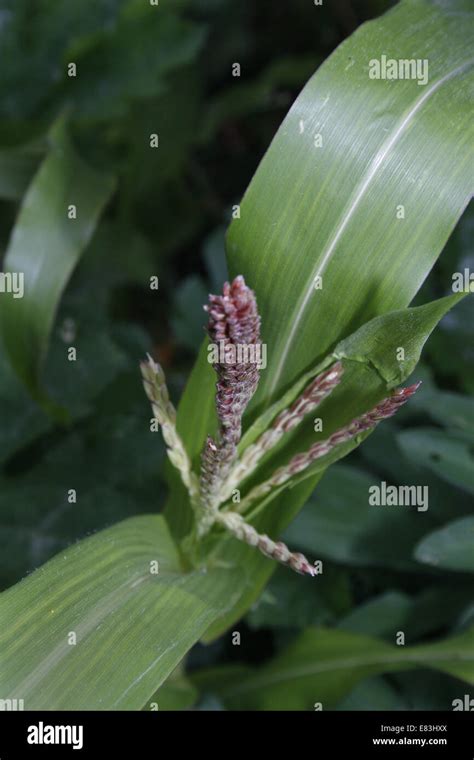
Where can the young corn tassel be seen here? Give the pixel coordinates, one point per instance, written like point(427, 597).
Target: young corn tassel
point(234, 323)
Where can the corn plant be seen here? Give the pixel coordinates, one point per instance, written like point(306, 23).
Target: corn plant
point(341, 224)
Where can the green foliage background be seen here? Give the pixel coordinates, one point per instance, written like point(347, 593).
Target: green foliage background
point(385, 571)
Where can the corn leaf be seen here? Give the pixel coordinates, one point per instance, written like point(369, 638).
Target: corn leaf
point(100, 626)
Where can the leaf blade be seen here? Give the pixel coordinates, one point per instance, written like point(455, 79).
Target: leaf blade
point(104, 592)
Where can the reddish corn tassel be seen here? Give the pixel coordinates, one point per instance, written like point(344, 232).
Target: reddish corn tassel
point(233, 327)
point(234, 333)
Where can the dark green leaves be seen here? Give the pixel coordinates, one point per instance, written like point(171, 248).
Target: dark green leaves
point(323, 665)
point(340, 524)
point(448, 455)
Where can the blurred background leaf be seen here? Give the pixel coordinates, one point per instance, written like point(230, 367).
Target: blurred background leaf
point(449, 456)
point(450, 547)
point(63, 186)
point(322, 666)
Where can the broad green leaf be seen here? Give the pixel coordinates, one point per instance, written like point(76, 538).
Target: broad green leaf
point(332, 211)
point(449, 456)
point(451, 547)
point(104, 590)
point(323, 665)
point(45, 246)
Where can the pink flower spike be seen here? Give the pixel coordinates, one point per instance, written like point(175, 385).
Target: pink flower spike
point(234, 333)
